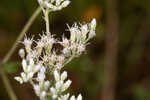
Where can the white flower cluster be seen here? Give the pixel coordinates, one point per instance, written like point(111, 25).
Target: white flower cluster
point(54, 5)
point(42, 63)
point(78, 39)
point(29, 70)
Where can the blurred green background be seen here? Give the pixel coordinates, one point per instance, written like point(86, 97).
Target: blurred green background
point(87, 71)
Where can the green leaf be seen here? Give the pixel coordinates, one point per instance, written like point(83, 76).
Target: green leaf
point(11, 67)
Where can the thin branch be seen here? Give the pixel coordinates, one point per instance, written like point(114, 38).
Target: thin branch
point(112, 30)
point(25, 29)
point(11, 51)
point(46, 15)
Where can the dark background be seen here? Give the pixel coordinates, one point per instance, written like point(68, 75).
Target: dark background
point(130, 26)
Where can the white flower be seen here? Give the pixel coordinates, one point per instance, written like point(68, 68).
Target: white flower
point(53, 90)
point(42, 70)
point(28, 42)
point(36, 89)
point(24, 77)
point(66, 85)
point(65, 3)
point(66, 51)
point(59, 85)
point(56, 76)
point(54, 96)
point(41, 77)
point(54, 5)
point(22, 53)
point(65, 42)
point(40, 44)
point(24, 65)
point(37, 67)
point(30, 75)
point(43, 95)
point(73, 98)
point(81, 48)
point(73, 32)
point(91, 34)
point(19, 79)
point(29, 68)
point(93, 24)
point(40, 1)
point(58, 2)
point(84, 29)
point(64, 75)
point(64, 97)
point(46, 84)
point(79, 97)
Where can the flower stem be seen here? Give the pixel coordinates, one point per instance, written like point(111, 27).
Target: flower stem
point(7, 85)
point(47, 22)
point(11, 51)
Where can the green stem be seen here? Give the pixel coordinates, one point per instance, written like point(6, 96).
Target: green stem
point(11, 51)
point(47, 22)
point(73, 56)
point(25, 29)
point(7, 85)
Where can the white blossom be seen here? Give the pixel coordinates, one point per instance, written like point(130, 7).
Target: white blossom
point(42, 62)
point(65, 3)
point(36, 89)
point(22, 53)
point(64, 75)
point(43, 95)
point(46, 84)
point(56, 76)
point(73, 98)
point(24, 65)
point(66, 85)
point(79, 97)
point(19, 79)
point(59, 85)
point(93, 24)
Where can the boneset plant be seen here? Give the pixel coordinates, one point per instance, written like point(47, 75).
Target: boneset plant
point(42, 65)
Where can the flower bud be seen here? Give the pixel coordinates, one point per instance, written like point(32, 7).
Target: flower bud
point(30, 75)
point(36, 89)
point(21, 53)
point(37, 68)
point(91, 34)
point(53, 90)
point(58, 85)
point(64, 75)
point(58, 2)
point(81, 48)
point(43, 95)
point(24, 65)
point(79, 97)
point(93, 24)
point(56, 76)
point(24, 77)
point(40, 1)
point(65, 3)
point(29, 68)
point(54, 96)
point(84, 29)
point(19, 79)
point(41, 77)
point(66, 85)
point(73, 98)
point(47, 84)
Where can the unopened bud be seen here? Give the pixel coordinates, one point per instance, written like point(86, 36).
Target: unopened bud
point(22, 53)
point(65, 3)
